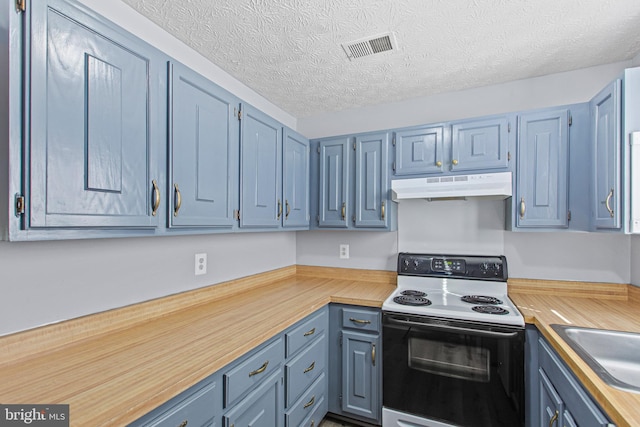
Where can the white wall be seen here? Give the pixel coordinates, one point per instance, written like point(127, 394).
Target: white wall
point(436, 227)
point(45, 282)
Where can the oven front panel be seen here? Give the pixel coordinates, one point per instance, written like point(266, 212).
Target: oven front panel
point(458, 378)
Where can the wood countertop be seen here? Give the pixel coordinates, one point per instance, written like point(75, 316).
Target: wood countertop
point(593, 305)
point(114, 367)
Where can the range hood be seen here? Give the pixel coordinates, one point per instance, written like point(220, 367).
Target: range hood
point(496, 186)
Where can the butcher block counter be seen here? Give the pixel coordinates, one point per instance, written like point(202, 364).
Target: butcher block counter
point(114, 367)
point(593, 305)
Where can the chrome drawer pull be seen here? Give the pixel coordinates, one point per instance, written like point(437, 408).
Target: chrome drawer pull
point(360, 321)
point(608, 201)
point(311, 332)
point(310, 368)
point(260, 370)
point(309, 403)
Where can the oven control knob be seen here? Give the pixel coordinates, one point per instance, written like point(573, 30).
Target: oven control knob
point(496, 266)
point(484, 266)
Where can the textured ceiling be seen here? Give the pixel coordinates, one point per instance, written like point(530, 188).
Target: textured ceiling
point(290, 51)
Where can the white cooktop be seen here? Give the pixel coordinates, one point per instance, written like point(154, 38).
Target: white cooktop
point(445, 296)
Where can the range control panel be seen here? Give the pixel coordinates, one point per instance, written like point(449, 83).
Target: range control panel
point(461, 266)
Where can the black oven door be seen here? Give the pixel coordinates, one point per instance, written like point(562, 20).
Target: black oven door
point(453, 372)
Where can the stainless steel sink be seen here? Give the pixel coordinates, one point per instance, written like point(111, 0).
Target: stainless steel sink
point(613, 355)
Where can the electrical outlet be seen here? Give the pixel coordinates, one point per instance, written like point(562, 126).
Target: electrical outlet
point(344, 251)
point(201, 264)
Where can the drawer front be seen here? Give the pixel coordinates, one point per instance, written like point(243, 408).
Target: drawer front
point(197, 409)
point(361, 319)
point(583, 409)
point(250, 372)
point(261, 408)
point(302, 370)
point(306, 332)
point(313, 399)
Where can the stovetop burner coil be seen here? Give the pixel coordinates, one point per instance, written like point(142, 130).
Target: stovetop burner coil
point(481, 299)
point(413, 293)
point(490, 309)
point(411, 300)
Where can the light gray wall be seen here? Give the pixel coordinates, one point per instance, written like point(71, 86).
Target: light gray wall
point(437, 226)
point(45, 282)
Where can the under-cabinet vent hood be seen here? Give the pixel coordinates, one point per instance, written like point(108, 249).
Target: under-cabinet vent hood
point(495, 186)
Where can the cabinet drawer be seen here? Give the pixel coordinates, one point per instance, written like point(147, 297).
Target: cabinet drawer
point(310, 401)
point(361, 319)
point(261, 407)
point(303, 334)
point(304, 368)
point(250, 372)
point(583, 409)
point(197, 409)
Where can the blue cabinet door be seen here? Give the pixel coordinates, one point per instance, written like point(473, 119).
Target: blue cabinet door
point(203, 141)
point(360, 379)
point(542, 177)
point(295, 180)
point(551, 405)
point(419, 151)
point(263, 407)
point(372, 180)
point(605, 122)
point(94, 126)
point(334, 182)
point(261, 170)
point(480, 144)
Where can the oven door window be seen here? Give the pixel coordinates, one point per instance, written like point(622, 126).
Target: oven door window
point(457, 378)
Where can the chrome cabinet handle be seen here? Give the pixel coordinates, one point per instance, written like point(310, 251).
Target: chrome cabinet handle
point(311, 402)
point(260, 370)
point(382, 211)
point(279, 209)
point(178, 200)
point(156, 198)
point(344, 210)
point(311, 332)
point(553, 419)
point(360, 321)
point(310, 368)
point(373, 354)
point(523, 208)
point(286, 216)
point(608, 201)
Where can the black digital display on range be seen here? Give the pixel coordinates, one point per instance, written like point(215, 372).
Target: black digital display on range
point(442, 264)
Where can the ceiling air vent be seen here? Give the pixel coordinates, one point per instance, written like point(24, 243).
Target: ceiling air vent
point(370, 45)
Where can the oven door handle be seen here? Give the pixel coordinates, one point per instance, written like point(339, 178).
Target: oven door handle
point(448, 328)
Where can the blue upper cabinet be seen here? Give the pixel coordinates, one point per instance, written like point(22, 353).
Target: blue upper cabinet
point(372, 181)
point(203, 141)
point(93, 124)
point(419, 151)
point(261, 204)
point(335, 156)
point(480, 144)
point(295, 180)
point(542, 173)
point(606, 131)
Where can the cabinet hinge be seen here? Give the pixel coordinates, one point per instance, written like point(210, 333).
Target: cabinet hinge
point(318, 149)
point(508, 156)
point(393, 166)
point(21, 5)
point(238, 113)
point(318, 219)
point(570, 120)
point(236, 214)
point(394, 141)
point(509, 127)
point(19, 205)
point(354, 146)
point(569, 216)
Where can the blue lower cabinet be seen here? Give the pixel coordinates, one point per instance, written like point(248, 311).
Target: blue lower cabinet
point(554, 396)
point(261, 408)
point(311, 407)
point(200, 406)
